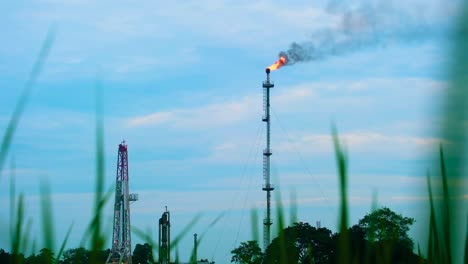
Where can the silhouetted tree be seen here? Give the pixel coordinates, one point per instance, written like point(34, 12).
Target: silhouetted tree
point(45, 256)
point(385, 225)
point(75, 256)
point(83, 256)
point(5, 257)
point(247, 253)
point(302, 243)
point(143, 254)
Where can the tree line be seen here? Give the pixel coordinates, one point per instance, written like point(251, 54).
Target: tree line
point(141, 254)
point(380, 237)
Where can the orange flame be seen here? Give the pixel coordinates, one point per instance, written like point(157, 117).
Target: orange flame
point(280, 62)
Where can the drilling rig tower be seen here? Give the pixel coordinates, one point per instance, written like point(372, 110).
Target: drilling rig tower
point(121, 251)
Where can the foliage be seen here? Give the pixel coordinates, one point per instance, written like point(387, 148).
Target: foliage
point(247, 253)
point(81, 255)
point(303, 244)
point(380, 237)
point(75, 256)
point(143, 254)
point(385, 225)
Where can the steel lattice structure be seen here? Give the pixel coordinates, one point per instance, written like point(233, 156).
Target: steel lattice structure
point(121, 251)
point(268, 187)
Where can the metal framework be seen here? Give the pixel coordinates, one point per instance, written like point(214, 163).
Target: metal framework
point(121, 251)
point(165, 238)
point(268, 187)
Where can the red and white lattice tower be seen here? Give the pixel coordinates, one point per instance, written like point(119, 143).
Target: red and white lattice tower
point(121, 251)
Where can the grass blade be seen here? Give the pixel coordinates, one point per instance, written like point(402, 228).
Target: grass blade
point(144, 235)
point(293, 208)
point(433, 254)
point(446, 206)
point(97, 238)
point(47, 221)
point(90, 228)
point(344, 255)
point(12, 197)
point(16, 239)
point(254, 224)
point(25, 238)
point(281, 235)
point(184, 231)
point(64, 243)
point(466, 243)
point(202, 235)
point(25, 94)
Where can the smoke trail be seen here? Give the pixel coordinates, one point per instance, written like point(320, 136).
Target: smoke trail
point(371, 24)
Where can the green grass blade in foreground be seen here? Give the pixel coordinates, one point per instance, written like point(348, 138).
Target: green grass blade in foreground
point(293, 208)
point(98, 239)
point(446, 206)
point(212, 224)
point(90, 228)
point(184, 231)
point(466, 243)
point(17, 235)
point(202, 235)
point(144, 235)
point(343, 243)
point(372, 227)
point(177, 257)
point(454, 132)
point(25, 239)
point(254, 224)
point(433, 253)
point(147, 238)
point(12, 197)
point(281, 235)
point(64, 243)
point(47, 216)
point(33, 246)
point(25, 94)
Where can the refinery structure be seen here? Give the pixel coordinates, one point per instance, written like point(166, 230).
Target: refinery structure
point(165, 238)
point(121, 249)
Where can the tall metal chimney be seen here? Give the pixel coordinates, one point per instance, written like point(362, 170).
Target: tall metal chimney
point(165, 238)
point(268, 187)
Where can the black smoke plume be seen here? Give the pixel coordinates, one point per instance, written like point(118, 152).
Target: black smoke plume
point(371, 24)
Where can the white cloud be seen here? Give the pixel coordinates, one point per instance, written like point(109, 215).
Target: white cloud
point(359, 141)
point(152, 119)
point(243, 22)
point(215, 114)
point(226, 113)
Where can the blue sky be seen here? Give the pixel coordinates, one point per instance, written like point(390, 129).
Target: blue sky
point(182, 85)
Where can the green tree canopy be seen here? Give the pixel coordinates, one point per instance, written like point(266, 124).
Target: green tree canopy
point(302, 243)
point(143, 254)
point(385, 225)
point(75, 256)
point(5, 257)
point(247, 253)
point(45, 256)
